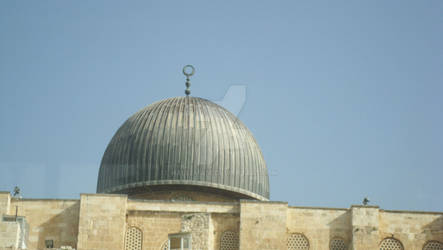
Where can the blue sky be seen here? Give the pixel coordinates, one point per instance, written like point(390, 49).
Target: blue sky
point(345, 98)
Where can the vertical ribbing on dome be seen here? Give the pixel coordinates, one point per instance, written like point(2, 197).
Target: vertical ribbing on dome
point(184, 141)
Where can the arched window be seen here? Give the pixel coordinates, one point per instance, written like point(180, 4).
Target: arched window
point(337, 244)
point(298, 242)
point(133, 239)
point(433, 245)
point(229, 241)
point(391, 244)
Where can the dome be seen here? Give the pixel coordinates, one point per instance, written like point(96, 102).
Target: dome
point(184, 142)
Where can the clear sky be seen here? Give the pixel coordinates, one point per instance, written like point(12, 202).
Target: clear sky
point(345, 98)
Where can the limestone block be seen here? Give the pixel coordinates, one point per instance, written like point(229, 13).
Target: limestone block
point(320, 225)
point(183, 206)
point(102, 223)
point(226, 222)
point(155, 225)
point(52, 219)
point(412, 228)
point(365, 227)
point(262, 225)
point(9, 234)
point(5, 203)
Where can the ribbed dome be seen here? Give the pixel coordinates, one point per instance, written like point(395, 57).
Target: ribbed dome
point(184, 141)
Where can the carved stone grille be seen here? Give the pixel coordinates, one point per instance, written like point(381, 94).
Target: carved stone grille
point(165, 245)
point(197, 224)
point(133, 239)
point(338, 244)
point(433, 245)
point(298, 242)
point(229, 241)
point(391, 244)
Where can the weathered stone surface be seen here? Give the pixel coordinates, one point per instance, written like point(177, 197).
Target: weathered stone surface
point(99, 221)
point(262, 225)
point(49, 219)
point(413, 229)
point(320, 225)
point(365, 227)
point(5, 202)
point(9, 235)
point(184, 206)
point(155, 226)
point(200, 227)
point(102, 222)
point(223, 222)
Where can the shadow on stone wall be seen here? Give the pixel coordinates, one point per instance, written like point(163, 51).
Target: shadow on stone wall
point(341, 227)
point(62, 228)
point(434, 230)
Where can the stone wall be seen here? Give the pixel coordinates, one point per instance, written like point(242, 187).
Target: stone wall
point(55, 220)
point(320, 225)
point(262, 225)
point(102, 222)
point(183, 206)
point(224, 222)
point(158, 219)
point(9, 234)
point(266, 225)
point(413, 229)
point(5, 202)
point(155, 226)
point(365, 227)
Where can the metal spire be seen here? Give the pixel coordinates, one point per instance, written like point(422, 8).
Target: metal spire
point(188, 71)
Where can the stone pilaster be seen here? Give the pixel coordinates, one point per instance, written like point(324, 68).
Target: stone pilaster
point(5, 203)
point(102, 224)
point(365, 227)
point(263, 225)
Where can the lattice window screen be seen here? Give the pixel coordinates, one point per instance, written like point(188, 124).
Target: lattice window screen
point(391, 244)
point(338, 244)
point(229, 241)
point(165, 245)
point(433, 245)
point(298, 242)
point(133, 239)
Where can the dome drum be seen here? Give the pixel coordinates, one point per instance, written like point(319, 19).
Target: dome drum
point(162, 192)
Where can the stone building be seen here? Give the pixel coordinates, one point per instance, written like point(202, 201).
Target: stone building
point(185, 173)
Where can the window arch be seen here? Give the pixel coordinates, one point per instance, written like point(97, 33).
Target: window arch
point(391, 244)
point(433, 245)
point(337, 244)
point(229, 241)
point(298, 241)
point(133, 239)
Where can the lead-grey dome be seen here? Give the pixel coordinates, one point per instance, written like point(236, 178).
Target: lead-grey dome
point(184, 141)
